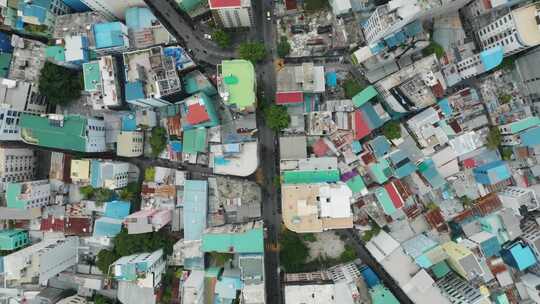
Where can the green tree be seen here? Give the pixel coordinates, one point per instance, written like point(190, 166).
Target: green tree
point(494, 138)
point(99, 299)
point(87, 192)
point(315, 5)
point(59, 84)
point(283, 47)
point(276, 117)
point(158, 140)
point(126, 195)
point(434, 48)
point(309, 237)
point(220, 258)
point(466, 201)
point(105, 258)
point(222, 38)
point(128, 244)
point(149, 174)
point(348, 255)
point(252, 51)
point(392, 130)
point(506, 153)
point(293, 252)
point(505, 98)
point(103, 195)
point(351, 88)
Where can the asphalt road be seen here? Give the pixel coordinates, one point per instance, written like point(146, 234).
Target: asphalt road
point(354, 239)
point(269, 151)
point(186, 34)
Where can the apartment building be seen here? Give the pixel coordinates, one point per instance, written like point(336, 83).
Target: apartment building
point(26, 195)
point(232, 13)
point(112, 9)
point(516, 31)
point(16, 165)
point(42, 260)
point(517, 198)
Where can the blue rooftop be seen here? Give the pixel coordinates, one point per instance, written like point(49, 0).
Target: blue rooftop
point(134, 90)
point(430, 173)
point(492, 173)
point(138, 18)
point(5, 43)
point(95, 173)
point(373, 119)
point(380, 146)
point(117, 209)
point(331, 79)
point(180, 56)
point(370, 276)
point(108, 227)
point(519, 256)
point(109, 35)
point(444, 104)
point(413, 28)
point(402, 164)
point(195, 209)
point(36, 8)
point(129, 122)
point(492, 57)
point(530, 137)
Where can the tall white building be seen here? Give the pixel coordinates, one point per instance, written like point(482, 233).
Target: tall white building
point(22, 96)
point(232, 13)
point(26, 195)
point(43, 260)
point(9, 123)
point(130, 144)
point(101, 80)
point(515, 197)
point(391, 17)
point(515, 31)
point(16, 165)
point(109, 174)
point(114, 9)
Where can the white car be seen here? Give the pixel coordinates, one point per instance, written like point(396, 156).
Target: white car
point(268, 16)
point(207, 36)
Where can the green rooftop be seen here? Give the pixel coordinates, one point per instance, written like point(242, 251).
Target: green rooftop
point(194, 141)
point(56, 52)
point(251, 241)
point(5, 62)
point(380, 171)
point(364, 96)
point(92, 76)
point(310, 177)
point(524, 124)
point(12, 239)
point(356, 184)
point(239, 80)
point(37, 130)
point(12, 196)
point(440, 269)
point(381, 295)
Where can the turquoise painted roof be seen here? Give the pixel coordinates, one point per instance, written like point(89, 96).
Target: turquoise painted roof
point(12, 196)
point(381, 295)
point(492, 57)
point(356, 184)
point(251, 241)
point(310, 177)
point(194, 140)
point(195, 208)
point(364, 96)
point(530, 137)
point(380, 171)
point(385, 201)
point(524, 124)
point(39, 131)
point(92, 76)
point(108, 35)
point(117, 209)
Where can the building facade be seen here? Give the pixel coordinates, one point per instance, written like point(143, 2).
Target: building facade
point(232, 13)
point(79, 133)
point(112, 9)
point(16, 165)
point(514, 32)
point(43, 260)
point(130, 144)
point(517, 198)
point(28, 195)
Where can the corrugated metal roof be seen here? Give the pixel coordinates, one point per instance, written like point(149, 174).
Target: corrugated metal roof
point(308, 177)
point(364, 96)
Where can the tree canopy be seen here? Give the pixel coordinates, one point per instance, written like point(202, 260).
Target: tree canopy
point(283, 47)
point(222, 38)
point(276, 117)
point(293, 252)
point(434, 48)
point(59, 84)
point(392, 130)
point(158, 140)
point(351, 88)
point(494, 138)
point(127, 244)
point(87, 191)
point(252, 51)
